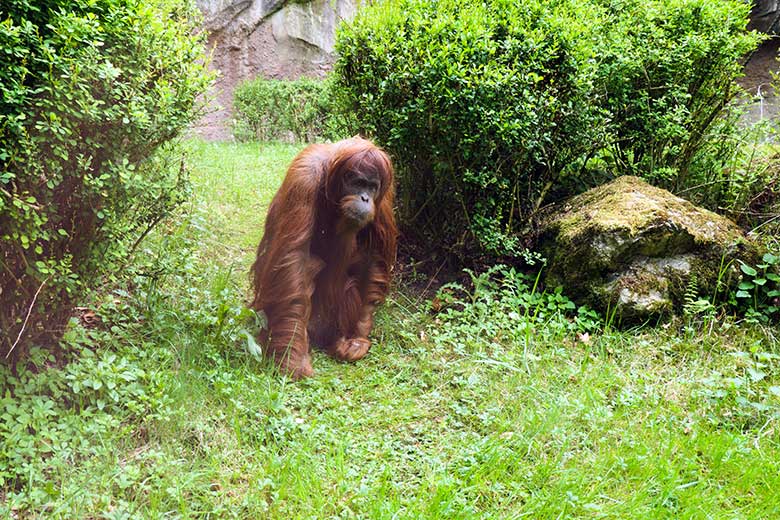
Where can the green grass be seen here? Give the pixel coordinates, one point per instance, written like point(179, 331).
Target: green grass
point(475, 412)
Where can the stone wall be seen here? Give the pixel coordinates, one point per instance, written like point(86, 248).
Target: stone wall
point(280, 39)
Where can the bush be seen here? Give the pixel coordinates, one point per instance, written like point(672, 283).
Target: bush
point(91, 92)
point(485, 107)
point(668, 70)
point(494, 109)
point(301, 110)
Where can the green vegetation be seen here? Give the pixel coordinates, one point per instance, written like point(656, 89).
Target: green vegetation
point(302, 110)
point(760, 288)
point(93, 91)
point(492, 109)
point(492, 400)
point(489, 397)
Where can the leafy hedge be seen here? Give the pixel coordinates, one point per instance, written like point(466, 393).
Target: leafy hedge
point(667, 69)
point(492, 109)
point(91, 91)
point(300, 110)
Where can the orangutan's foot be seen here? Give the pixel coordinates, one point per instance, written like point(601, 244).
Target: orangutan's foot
point(350, 349)
point(297, 369)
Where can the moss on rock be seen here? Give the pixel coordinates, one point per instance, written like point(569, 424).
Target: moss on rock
point(631, 245)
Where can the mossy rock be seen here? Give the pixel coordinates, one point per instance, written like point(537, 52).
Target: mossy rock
point(631, 247)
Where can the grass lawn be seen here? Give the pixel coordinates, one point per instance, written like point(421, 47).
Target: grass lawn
point(476, 412)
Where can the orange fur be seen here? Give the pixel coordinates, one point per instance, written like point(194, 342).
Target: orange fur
point(315, 276)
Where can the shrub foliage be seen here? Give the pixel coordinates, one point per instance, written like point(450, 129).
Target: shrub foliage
point(91, 89)
point(492, 109)
point(667, 70)
point(300, 110)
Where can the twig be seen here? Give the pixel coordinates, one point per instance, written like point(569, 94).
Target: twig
point(29, 311)
point(430, 282)
point(776, 217)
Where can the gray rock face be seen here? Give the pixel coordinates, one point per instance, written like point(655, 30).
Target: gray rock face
point(278, 39)
point(635, 248)
point(765, 16)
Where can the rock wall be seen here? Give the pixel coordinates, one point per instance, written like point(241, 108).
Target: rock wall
point(765, 16)
point(280, 39)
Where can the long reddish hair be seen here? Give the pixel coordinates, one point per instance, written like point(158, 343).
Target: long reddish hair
point(290, 277)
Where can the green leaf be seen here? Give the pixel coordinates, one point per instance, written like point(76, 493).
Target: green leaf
point(759, 281)
point(771, 259)
point(746, 286)
point(252, 347)
point(756, 375)
point(742, 294)
point(748, 270)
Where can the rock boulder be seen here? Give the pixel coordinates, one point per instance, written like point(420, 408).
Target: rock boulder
point(635, 248)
